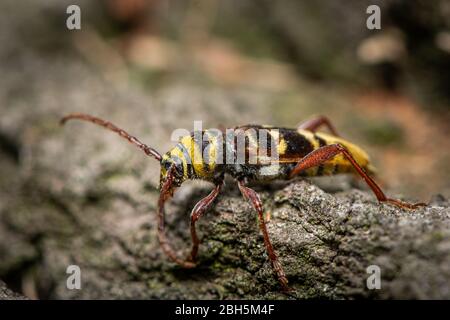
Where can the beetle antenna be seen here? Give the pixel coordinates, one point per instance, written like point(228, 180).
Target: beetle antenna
point(108, 125)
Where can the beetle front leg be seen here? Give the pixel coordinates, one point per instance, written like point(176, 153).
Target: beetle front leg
point(199, 209)
point(166, 193)
point(253, 197)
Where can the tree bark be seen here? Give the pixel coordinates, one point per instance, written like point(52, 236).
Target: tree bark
point(7, 294)
point(325, 242)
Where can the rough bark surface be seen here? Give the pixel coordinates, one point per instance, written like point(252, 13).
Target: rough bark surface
point(324, 240)
point(6, 294)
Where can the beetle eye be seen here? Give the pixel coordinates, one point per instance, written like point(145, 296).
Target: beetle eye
point(167, 165)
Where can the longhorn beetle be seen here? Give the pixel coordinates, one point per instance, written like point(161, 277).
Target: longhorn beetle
point(302, 151)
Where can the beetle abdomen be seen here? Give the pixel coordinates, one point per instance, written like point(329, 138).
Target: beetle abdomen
point(338, 164)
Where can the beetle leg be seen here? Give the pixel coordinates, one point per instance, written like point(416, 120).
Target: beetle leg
point(325, 153)
point(199, 209)
point(253, 197)
point(315, 123)
point(166, 193)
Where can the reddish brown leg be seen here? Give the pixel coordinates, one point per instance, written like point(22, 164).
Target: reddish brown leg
point(199, 209)
point(253, 197)
point(325, 153)
point(166, 193)
point(108, 125)
point(314, 124)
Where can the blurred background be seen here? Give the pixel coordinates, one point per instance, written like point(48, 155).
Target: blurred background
point(230, 62)
point(152, 66)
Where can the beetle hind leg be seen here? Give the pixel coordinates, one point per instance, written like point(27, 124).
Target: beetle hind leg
point(315, 123)
point(325, 153)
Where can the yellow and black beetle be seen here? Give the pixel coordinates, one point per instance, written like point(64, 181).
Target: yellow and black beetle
point(301, 151)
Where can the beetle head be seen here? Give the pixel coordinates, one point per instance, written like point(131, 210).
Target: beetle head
point(172, 170)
